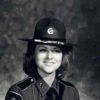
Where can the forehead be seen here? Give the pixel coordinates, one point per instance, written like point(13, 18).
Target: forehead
point(46, 46)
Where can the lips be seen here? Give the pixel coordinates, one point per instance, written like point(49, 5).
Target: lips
point(48, 62)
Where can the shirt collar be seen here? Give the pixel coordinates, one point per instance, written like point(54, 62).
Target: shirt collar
point(43, 87)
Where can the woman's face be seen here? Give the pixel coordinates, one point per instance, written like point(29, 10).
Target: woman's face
point(48, 58)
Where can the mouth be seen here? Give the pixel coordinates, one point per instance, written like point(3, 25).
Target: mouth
point(48, 63)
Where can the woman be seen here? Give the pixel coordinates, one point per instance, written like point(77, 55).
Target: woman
point(45, 65)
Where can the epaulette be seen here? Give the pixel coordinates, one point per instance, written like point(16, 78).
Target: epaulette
point(25, 83)
point(67, 83)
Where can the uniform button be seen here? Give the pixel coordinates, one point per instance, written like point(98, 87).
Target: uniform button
point(32, 80)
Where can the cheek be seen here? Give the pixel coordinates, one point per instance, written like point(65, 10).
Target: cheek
point(40, 57)
point(58, 57)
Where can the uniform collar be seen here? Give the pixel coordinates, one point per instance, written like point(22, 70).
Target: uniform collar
point(43, 87)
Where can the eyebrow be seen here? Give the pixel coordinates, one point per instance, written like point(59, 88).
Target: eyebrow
point(54, 47)
point(42, 47)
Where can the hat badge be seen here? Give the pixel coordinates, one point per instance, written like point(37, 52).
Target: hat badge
point(50, 30)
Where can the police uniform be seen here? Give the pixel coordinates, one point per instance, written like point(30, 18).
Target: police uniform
point(48, 31)
point(36, 89)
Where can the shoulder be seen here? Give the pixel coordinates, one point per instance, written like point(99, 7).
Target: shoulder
point(70, 89)
point(24, 83)
point(67, 84)
point(15, 91)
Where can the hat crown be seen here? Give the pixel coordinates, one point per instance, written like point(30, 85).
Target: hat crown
point(50, 29)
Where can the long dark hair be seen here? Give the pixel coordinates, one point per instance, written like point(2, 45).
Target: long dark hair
point(30, 67)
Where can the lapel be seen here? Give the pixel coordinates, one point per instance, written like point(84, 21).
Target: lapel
point(61, 90)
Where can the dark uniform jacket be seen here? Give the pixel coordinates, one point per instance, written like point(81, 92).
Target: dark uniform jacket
point(37, 89)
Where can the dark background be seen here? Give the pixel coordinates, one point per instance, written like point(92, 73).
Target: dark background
point(82, 20)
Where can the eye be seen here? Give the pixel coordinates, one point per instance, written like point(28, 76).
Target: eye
point(56, 50)
point(43, 50)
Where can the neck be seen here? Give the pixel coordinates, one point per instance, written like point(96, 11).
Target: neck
point(48, 78)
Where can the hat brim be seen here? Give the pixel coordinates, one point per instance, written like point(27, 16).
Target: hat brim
point(65, 46)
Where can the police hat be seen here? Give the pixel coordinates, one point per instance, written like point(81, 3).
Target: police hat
point(50, 31)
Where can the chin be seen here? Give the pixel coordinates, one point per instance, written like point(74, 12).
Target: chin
point(49, 72)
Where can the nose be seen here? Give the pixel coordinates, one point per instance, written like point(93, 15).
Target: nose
point(49, 55)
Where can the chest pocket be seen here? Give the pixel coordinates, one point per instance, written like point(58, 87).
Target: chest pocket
point(28, 93)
